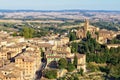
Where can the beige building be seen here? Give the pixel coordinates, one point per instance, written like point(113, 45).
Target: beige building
point(105, 35)
point(54, 56)
point(11, 72)
point(26, 63)
point(3, 54)
point(81, 61)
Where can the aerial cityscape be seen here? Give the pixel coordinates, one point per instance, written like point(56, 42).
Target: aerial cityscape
point(60, 40)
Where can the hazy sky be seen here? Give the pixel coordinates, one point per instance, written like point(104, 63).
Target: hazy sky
point(60, 4)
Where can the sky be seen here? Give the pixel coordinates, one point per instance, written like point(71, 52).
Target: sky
point(60, 4)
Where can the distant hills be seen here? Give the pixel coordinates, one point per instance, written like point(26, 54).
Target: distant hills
point(72, 10)
point(74, 14)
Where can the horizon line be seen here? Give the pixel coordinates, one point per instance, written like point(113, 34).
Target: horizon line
point(58, 9)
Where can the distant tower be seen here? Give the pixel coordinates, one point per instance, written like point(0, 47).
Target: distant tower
point(86, 25)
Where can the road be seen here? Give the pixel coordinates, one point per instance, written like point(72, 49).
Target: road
point(42, 67)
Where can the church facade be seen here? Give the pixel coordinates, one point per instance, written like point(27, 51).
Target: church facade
point(101, 35)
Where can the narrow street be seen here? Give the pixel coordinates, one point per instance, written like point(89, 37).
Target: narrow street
point(42, 67)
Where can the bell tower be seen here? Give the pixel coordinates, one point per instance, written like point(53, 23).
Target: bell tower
point(86, 25)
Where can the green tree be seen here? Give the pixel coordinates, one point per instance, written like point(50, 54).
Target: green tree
point(75, 62)
point(14, 34)
point(88, 35)
point(62, 63)
point(115, 71)
point(51, 74)
point(70, 67)
point(71, 78)
point(42, 53)
point(74, 47)
point(96, 33)
point(72, 36)
point(80, 71)
point(31, 32)
point(27, 32)
point(62, 78)
point(76, 78)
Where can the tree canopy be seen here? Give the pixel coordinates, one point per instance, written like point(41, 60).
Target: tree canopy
point(51, 74)
point(75, 62)
point(27, 32)
point(62, 63)
point(74, 47)
point(70, 67)
point(72, 36)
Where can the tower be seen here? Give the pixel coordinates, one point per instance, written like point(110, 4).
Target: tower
point(86, 25)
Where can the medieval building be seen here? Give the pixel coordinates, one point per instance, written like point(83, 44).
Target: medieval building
point(101, 35)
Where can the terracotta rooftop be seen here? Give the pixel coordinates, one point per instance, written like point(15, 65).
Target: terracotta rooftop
point(62, 52)
point(78, 56)
point(56, 52)
point(9, 67)
point(25, 58)
point(54, 57)
point(44, 45)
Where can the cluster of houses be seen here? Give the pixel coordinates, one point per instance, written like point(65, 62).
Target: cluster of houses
point(20, 58)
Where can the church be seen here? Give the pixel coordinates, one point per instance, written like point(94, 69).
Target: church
point(101, 35)
point(81, 32)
